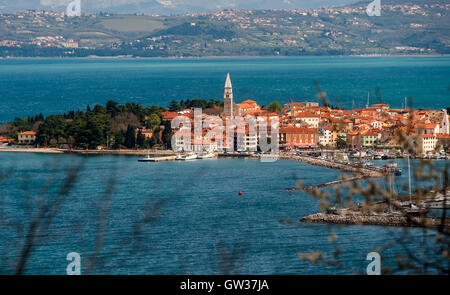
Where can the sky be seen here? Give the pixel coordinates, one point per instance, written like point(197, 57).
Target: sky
point(165, 6)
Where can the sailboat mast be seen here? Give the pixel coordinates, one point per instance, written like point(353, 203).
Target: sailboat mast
point(409, 180)
point(368, 98)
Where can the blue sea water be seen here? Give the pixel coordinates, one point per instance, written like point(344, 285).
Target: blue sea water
point(201, 214)
point(201, 217)
point(32, 86)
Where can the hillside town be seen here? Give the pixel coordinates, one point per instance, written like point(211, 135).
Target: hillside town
point(284, 32)
point(310, 126)
point(300, 126)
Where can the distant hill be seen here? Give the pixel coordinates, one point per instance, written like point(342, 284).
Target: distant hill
point(166, 7)
point(404, 27)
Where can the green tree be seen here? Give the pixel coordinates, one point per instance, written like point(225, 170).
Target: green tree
point(140, 139)
point(341, 143)
point(130, 137)
point(153, 121)
point(274, 107)
point(174, 106)
point(167, 134)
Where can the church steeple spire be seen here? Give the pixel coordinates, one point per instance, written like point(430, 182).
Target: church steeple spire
point(228, 105)
point(228, 81)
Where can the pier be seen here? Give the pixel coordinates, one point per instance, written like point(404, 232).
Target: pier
point(383, 220)
point(158, 159)
point(365, 172)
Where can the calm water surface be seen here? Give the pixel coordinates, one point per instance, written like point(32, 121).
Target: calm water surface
point(31, 86)
point(201, 212)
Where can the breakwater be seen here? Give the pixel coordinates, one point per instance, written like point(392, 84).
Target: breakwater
point(361, 171)
point(383, 220)
point(336, 182)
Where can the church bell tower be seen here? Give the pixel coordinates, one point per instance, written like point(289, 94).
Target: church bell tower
point(228, 105)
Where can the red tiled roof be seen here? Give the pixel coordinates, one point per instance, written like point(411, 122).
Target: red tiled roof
point(28, 133)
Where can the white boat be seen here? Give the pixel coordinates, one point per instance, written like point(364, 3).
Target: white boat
point(377, 157)
point(190, 157)
point(187, 157)
point(209, 155)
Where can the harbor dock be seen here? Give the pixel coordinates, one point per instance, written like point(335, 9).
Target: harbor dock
point(158, 159)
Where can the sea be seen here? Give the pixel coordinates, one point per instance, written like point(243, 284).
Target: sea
point(126, 217)
point(55, 86)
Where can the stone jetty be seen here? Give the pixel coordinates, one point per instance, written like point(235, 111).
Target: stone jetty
point(383, 220)
point(365, 172)
point(336, 182)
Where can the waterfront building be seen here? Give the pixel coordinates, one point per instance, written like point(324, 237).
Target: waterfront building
point(353, 139)
point(427, 143)
point(27, 137)
point(250, 140)
point(5, 141)
point(306, 124)
point(298, 137)
point(147, 133)
point(326, 136)
point(369, 138)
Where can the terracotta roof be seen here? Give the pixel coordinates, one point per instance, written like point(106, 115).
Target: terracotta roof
point(28, 133)
point(306, 115)
point(297, 130)
point(427, 135)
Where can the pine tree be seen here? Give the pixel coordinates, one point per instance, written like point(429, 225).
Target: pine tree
point(174, 106)
point(130, 138)
point(167, 134)
point(140, 139)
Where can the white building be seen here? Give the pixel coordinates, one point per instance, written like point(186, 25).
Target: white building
point(445, 126)
point(312, 120)
point(427, 143)
point(325, 137)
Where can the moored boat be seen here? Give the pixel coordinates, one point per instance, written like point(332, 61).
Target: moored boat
point(393, 168)
point(208, 155)
point(187, 157)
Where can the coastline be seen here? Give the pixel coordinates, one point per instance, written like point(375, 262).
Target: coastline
point(129, 57)
point(88, 152)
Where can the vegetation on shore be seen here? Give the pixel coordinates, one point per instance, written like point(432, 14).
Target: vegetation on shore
point(112, 126)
